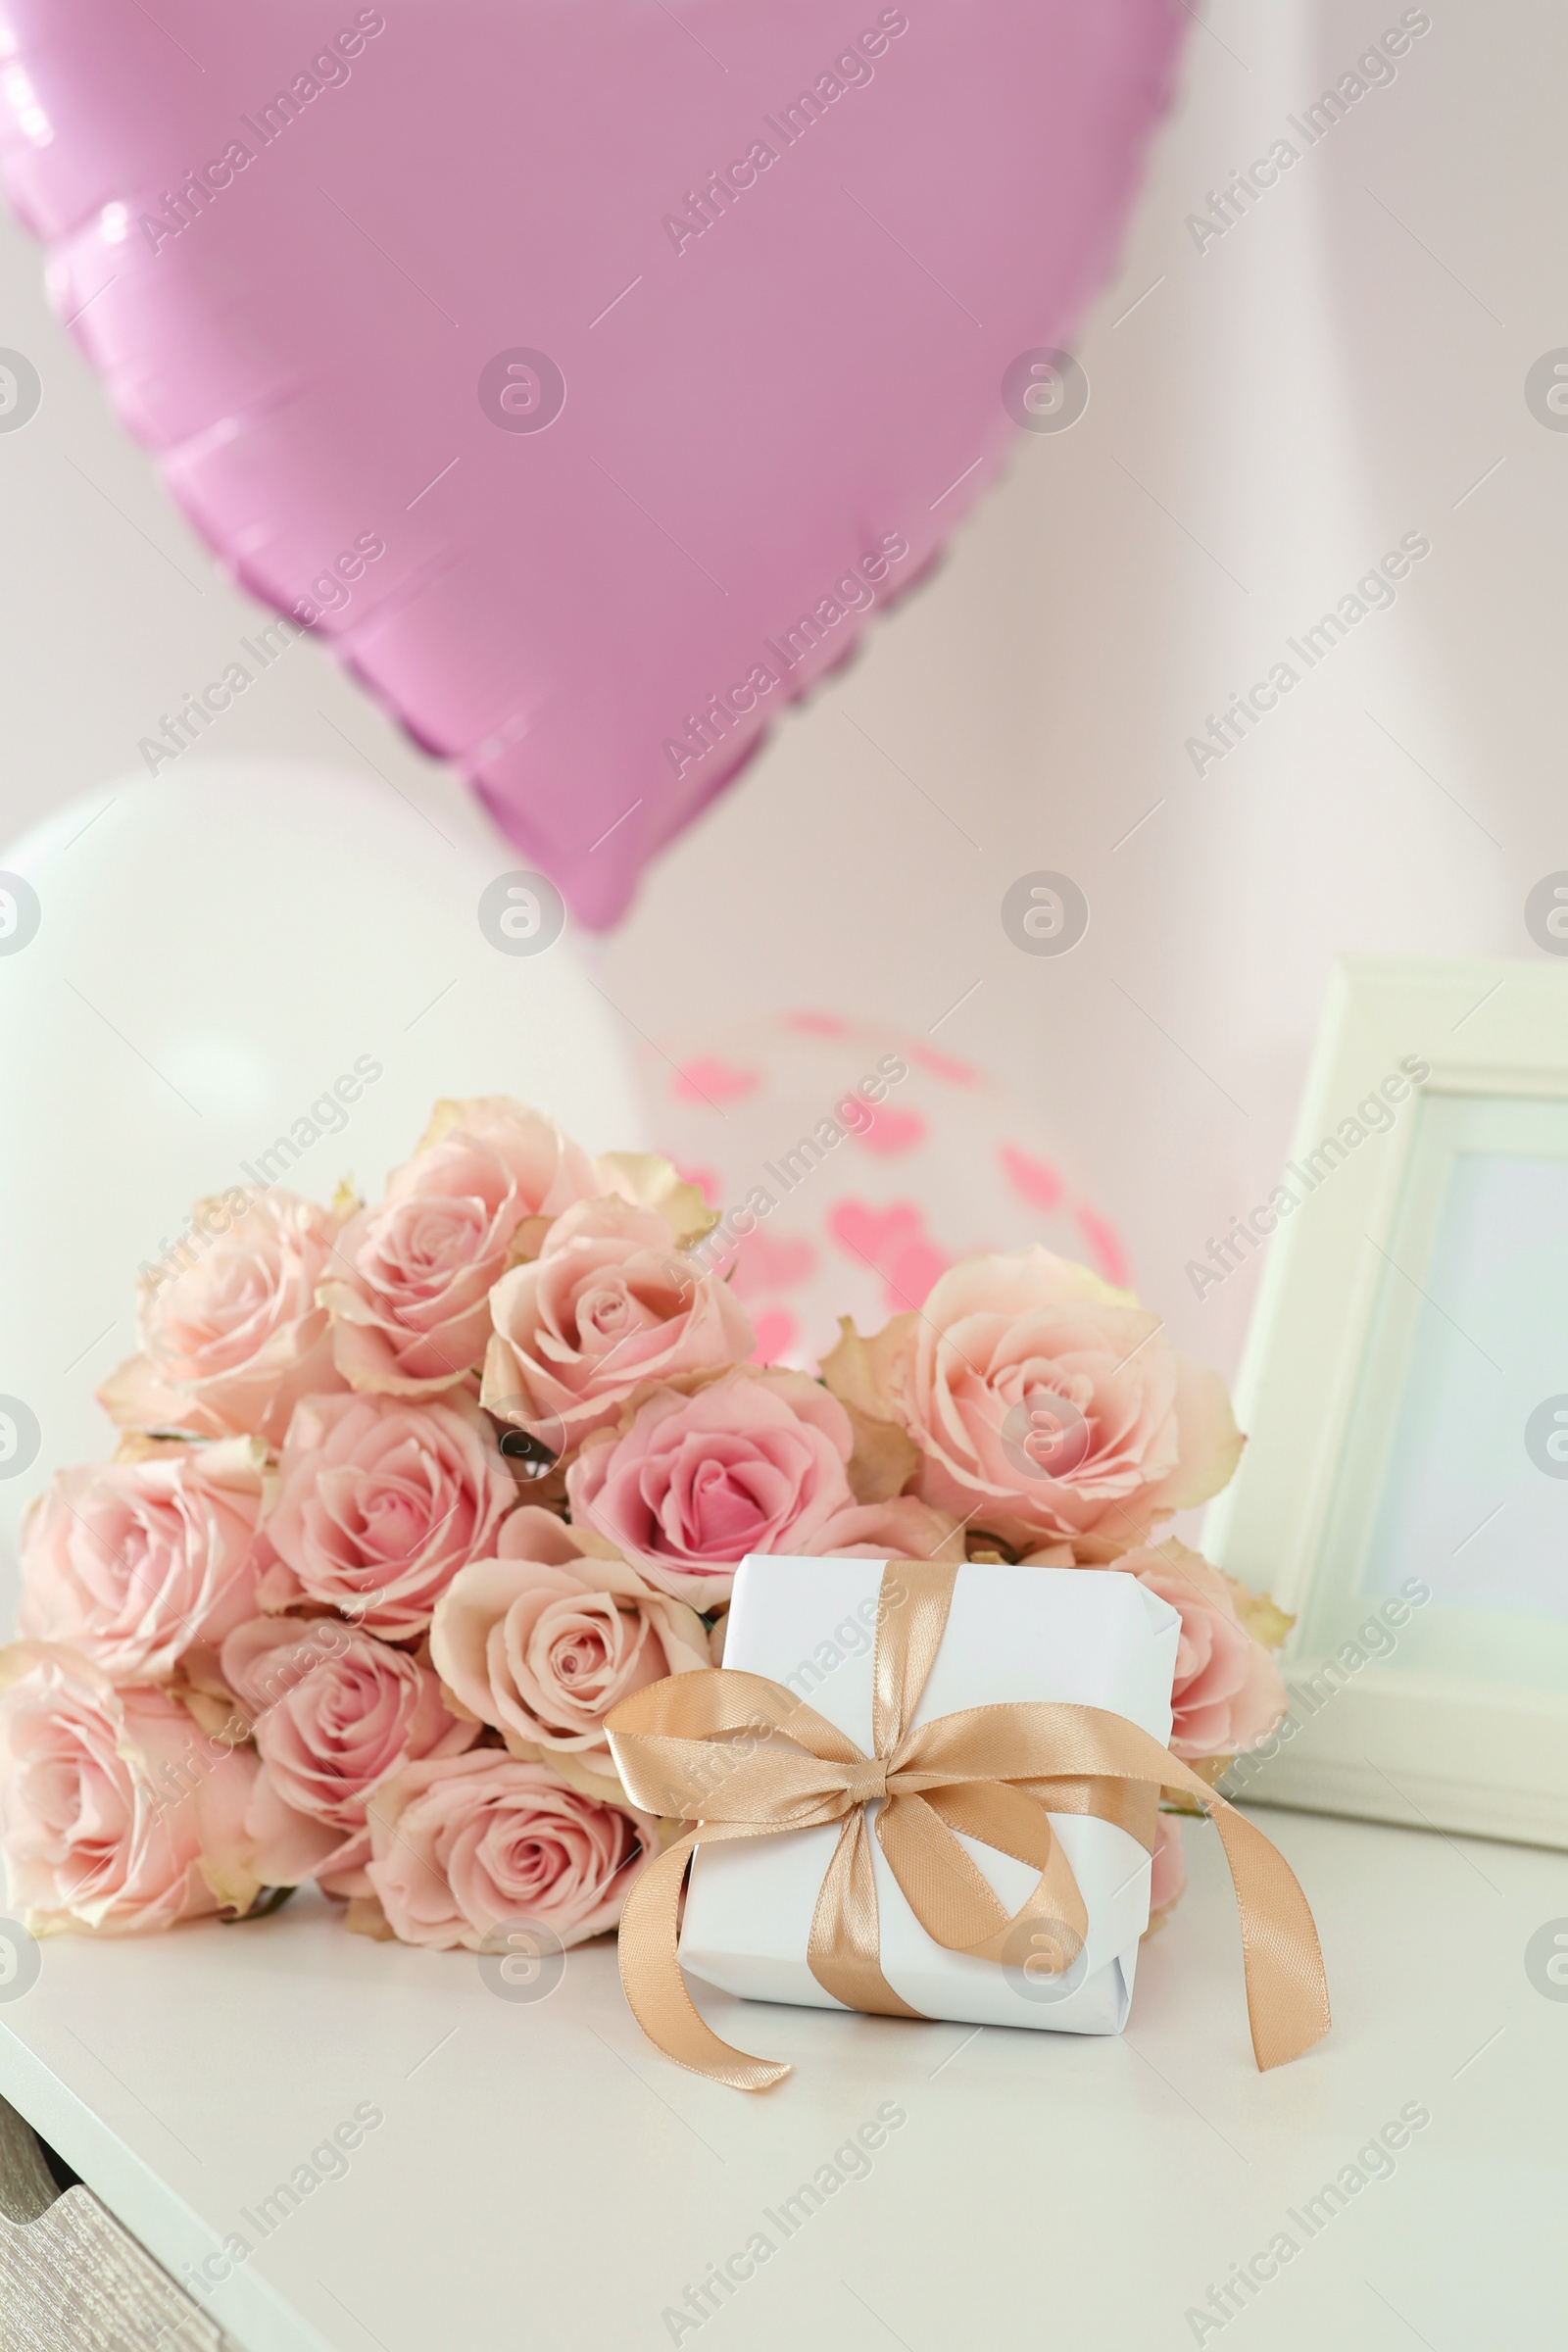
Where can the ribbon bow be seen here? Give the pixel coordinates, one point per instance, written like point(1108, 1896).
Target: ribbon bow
point(992, 1773)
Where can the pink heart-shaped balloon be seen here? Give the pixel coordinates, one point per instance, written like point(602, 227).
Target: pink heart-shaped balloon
point(590, 372)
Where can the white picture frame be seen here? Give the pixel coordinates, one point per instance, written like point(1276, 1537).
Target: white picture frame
point(1406, 1372)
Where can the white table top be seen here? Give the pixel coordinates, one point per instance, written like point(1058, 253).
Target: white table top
point(544, 2177)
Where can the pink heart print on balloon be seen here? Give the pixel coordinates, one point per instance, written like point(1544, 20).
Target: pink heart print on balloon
point(589, 374)
point(894, 1243)
point(864, 1163)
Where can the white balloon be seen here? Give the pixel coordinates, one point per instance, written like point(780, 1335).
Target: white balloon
point(188, 967)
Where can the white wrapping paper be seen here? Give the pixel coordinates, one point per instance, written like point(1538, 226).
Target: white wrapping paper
point(1089, 1635)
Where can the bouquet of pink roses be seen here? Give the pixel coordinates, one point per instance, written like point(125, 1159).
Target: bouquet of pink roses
point(408, 1498)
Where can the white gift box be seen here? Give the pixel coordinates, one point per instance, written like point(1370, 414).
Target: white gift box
point(1094, 1636)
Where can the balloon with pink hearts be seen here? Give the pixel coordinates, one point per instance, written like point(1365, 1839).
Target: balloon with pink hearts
point(853, 1165)
point(590, 376)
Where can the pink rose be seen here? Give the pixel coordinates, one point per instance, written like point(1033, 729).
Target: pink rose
point(462, 1842)
point(380, 1503)
point(754, 1462)
point(334, 1713)
point(1167, 1876)
point(1047, 1405)
point(900, 1528)
point(607, 1308)
point(1228, 1693)
point(543, 1640)
point(115, 1815)
point(231, 1343)
point(135, 1562)
point(410, 1293)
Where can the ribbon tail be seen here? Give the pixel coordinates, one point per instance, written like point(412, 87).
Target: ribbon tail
point(656, 1990)
point(1287, 1991)
point(845, 1950)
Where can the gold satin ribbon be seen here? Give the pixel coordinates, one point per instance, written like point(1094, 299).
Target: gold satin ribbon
point(992, 1773)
